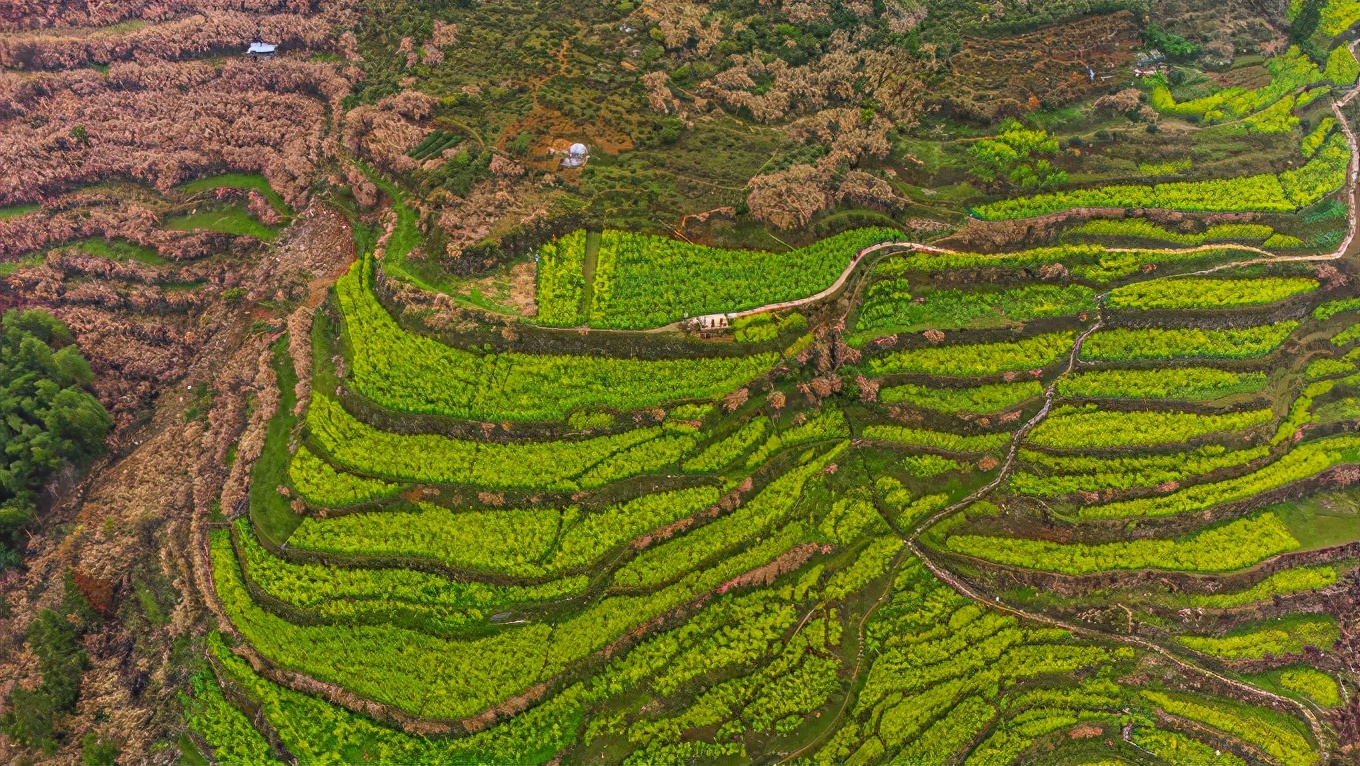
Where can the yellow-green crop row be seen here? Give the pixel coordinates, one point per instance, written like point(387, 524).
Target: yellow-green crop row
point(643, 280)
point(322, 485)
point(1196, 292)
point(1313, 684)
point(561, 281)
point(454, 678)
point(1091, 428)
point(316, 731)
point(1142, 228)
point(1342, 68)
point(1279, 637)
point(1261, 193)
point(941, 670)
point(1303, 462)
point(1094, 262)
point(1301, 410)
point(1236, 545)
point(1338, 16)
point(412, 373)
point(228, 731)
point(1315, 138)
point(978, 400)
point(720, 454)
point(1328, 368)
point(1278, 584)
point(562, 465)
point(1253, 725)
point(1064, 474)
point(1332, 308)
point(1287, 192)
point(1347, 336)
point(1124, 344)
point(1289, 71)
point(1174, 747)
point(342, 593)
point(940, 440)
point(1190, 383)
point(669, 560)
point(829, 424)
point(888, 306)
point(518, 542)
point(978, 359)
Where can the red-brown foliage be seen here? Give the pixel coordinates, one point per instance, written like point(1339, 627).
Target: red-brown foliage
point(199, 34)
point(365, 191)
point(262, 209)
point(164, 124)
point(386, 131)
point(98, 214)
point(38, 14)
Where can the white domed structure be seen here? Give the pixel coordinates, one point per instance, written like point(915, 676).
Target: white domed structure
point(576, 156)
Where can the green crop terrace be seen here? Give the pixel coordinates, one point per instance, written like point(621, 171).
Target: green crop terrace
point(1085, 498)
point(747, 564)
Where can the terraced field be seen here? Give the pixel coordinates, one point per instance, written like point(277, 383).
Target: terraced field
point(1072, 504)
point(680, 382)
point(1074, 536)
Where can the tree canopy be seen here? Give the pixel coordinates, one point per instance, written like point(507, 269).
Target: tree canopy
point(1017, 156)
point(47, 415)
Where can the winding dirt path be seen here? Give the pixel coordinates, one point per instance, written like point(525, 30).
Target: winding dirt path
point(913, 544)
point(834, 287)
point(1049, 394)
point(830, 729)
point(911, 538)
point(1314, 723)
point(1264, 256)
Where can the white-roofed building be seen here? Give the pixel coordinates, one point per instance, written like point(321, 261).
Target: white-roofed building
point(576, 156)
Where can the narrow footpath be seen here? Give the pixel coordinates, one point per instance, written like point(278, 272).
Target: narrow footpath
point(1319, 730)
point(1263, 255)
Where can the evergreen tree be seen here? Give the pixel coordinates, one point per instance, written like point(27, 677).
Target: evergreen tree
point(47, 415)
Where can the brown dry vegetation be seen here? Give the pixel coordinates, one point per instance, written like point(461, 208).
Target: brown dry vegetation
point(140, 122)
point(1227, 27)
point(161, 122)
point(39, 14)
point(165, 478)
point(179, 350)
point(105, 214)
point(386, 131)
point(846, 73)
point(201, 33)
point(990, 79)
